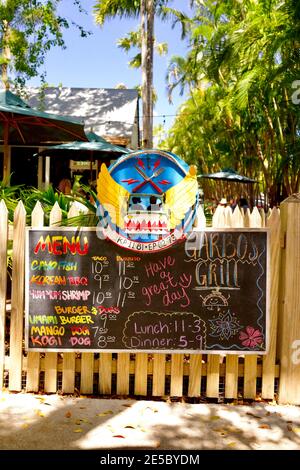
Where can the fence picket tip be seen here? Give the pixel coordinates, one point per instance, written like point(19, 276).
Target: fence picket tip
point(20, 209)
point(37, 207)
point(56, 207)
point(200, 219)
point(3, 206)
point(37, 216)
point(273, 216)
point(55, 214)
point(237, 218)
point(73, 211)
point(255, 218)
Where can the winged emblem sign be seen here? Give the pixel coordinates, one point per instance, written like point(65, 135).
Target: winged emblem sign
point(147, 200)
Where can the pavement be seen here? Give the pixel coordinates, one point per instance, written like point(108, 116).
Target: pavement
point(55, 422)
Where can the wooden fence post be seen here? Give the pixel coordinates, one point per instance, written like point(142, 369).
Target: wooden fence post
point(252, 220)
point(176, 389)
point(159, 368)
point(17, 300)
point(33, 358)
point(140, 374)
point(51, 357)
point(68, 366)
point(289, 325)
point(213, 360)
point(123, 366)
point(105, 371)
point(269, 360)
point(232, 360)
point(3, 283)
point(195, 365)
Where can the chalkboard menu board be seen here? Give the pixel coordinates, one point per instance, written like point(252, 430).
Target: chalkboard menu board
point(208, 293)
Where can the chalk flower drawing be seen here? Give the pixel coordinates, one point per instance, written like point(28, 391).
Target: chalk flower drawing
point(251, 337)
point(225, 326)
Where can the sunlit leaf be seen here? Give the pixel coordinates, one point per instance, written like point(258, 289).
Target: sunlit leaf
point(105, 413)
point(234, 429)
point(142, 429)
point(231, 444)
point(214, 418)
point(41, 399)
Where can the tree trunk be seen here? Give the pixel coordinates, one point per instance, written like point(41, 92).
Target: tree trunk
point(147, 33)
point(6, 54)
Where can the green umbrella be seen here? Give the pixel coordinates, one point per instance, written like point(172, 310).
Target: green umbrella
point(96, 147)
point(228, 175)
point(22, 125)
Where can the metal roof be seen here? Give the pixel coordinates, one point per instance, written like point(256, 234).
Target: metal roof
point(25, 125)
point(107, 111)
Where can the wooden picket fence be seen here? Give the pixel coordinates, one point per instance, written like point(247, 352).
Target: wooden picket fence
point(217, 376)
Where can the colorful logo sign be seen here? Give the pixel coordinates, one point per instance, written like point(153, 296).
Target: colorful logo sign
point(147, 200)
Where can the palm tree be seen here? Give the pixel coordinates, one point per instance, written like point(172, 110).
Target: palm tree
point(247, 53)
point(146, 9)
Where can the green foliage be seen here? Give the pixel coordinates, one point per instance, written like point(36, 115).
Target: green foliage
point(240, 72)
point(29, 29)
point(10, 195)
point(133, 40)
point(108, 9)
point(30, 196)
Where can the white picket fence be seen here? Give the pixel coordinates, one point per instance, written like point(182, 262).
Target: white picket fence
point(140, 374)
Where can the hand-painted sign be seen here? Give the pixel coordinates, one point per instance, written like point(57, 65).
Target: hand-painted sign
point(206, 294)
point(147, 200)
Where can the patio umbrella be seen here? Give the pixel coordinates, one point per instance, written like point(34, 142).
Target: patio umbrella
point(22, 125)
point(76, 150)
point(228, 175)
point(96, 147)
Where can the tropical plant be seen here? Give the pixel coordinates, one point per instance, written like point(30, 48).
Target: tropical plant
point(10, 195)
point(49, 197)
point(83, 196)
point(29, 29)
point(240, 71)
point(147, 9)
point(133, 40)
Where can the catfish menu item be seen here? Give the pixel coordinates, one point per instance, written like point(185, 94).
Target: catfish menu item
point(207, 293)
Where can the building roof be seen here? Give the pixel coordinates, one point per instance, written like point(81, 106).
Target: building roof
point(26, 125)
point(110, 112)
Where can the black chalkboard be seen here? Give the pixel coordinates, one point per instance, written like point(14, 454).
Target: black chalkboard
point(208, 293)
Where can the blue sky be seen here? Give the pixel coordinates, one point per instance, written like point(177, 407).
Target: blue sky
point(96, 61)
